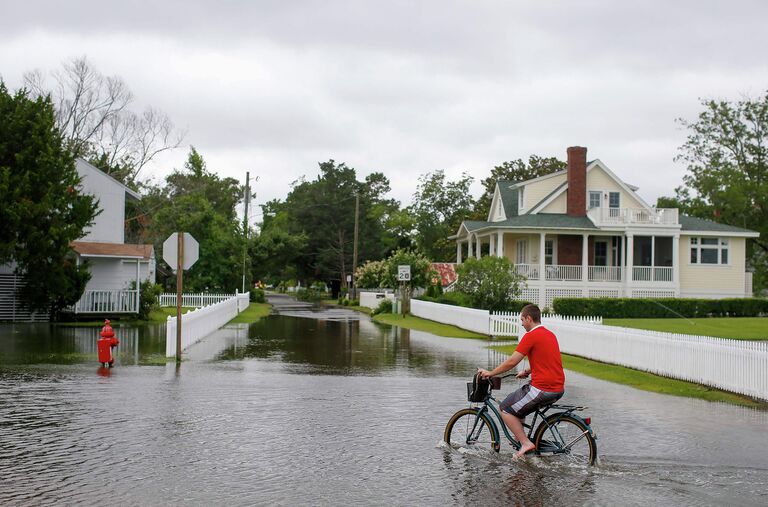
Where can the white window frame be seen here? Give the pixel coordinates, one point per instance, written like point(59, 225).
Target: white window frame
point(619, 199)
point(696, 245)
point(521, 198)
point(599, 194)
point(521, 251)
point(553, 241)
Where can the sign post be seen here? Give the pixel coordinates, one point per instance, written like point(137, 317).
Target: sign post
point(176, 257)
point(403, 276)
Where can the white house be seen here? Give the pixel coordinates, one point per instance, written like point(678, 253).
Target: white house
point(583, 232)
point(117, 269)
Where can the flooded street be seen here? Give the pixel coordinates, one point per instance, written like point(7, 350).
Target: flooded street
point(330, 408)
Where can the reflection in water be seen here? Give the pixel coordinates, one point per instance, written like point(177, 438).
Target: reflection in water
point(314, 411)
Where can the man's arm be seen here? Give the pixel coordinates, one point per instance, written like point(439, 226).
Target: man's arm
point(507, 365)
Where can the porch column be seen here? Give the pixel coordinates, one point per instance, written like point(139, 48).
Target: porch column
point(630, 263)
point(676, 263)
point(500, 244)
point(584, 258)
point(479, 246)
point(492, 245)
point(469, 246)
point(458, 252)
point(542, 273)
point(138, 282)
point(653, 258)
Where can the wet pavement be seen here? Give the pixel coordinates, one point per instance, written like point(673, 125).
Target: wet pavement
point(308, 408)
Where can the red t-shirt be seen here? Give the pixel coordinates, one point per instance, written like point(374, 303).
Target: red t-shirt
point(540, 345)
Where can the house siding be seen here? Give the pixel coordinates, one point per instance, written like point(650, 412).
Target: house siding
point(535, 192)
point(559, 205)
point(114, 274)
point(597, 179)
point(713, 281)
point(108, 225)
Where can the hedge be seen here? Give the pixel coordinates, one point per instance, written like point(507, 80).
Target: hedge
point(637, 308)
point(460, 299)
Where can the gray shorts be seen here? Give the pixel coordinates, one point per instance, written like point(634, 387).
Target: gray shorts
point(527, 399)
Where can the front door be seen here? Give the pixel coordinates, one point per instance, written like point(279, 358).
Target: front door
point(601, 252)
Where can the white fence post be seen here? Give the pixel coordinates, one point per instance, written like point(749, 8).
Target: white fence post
point(201, 322)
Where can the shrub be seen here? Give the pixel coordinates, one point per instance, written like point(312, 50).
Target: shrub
point(148, 298)
point(371, 275)
point(638, 308)
point(257, 296)
point(310, 295)
point(354, 302)
point(490, 282)
point(385, 306)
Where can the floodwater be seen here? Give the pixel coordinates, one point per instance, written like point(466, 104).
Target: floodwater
point(330, 408)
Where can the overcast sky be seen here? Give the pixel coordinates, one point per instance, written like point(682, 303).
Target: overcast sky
point(407, 87)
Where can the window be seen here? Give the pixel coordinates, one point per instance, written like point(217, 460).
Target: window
point(614, 199)
point(594, 199)
point(522, 251)
point(601, 253)
point(709, 251)
point(521, 198)
point(549, 252)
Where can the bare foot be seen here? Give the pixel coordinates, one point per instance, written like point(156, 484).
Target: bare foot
point(524, 449)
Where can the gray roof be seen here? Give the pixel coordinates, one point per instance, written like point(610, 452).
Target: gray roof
point(538, 221)
point(701, 224)
point(508, 197)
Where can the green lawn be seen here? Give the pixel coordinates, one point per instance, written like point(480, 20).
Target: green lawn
point(430, 326)
point(739, 328)
point(254, 312)
point(648, 381)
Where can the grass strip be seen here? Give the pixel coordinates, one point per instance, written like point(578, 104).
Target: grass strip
point(737, 328)
point(429, 326)
point(254, 312)
point(648, 381)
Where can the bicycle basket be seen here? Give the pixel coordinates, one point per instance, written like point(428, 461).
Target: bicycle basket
point(478, 389)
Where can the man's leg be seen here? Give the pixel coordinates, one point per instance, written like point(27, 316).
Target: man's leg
point(516, 425)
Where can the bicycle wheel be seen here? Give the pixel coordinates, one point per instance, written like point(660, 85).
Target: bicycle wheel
point(467, 428)
point(567, 438)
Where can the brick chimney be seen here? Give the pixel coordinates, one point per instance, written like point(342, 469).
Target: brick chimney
point(577, 182)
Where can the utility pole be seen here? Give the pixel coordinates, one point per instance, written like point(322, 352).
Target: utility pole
point(245, 223)
point(354, 250)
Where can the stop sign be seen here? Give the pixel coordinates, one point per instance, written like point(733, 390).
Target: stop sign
point(171, 251)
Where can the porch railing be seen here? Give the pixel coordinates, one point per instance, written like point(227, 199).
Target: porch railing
point(604, 273)
point(530, 271)
point(108, 301)
point(196, 300)
point(652, 274)
point(563, 272)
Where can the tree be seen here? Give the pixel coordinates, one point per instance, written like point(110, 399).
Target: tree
point(197, 201)
point(371, 275)
point(726, 153)
point(438, 208)
point(94, 116)
point(514, 171)
point(490, 282)
point(41, 205)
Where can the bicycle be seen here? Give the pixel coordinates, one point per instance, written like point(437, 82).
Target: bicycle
point(563, 433)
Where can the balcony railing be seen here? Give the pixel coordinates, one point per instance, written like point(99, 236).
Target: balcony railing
point(633, 216)
point(108, 301)
point(563, 272)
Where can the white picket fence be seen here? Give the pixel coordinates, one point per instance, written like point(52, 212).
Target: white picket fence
point(199, 323)
point(190, 300)
point(508, 323)
point(465, 318)
point(738, 366)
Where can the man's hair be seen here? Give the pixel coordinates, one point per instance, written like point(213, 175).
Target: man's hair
point(532, 311)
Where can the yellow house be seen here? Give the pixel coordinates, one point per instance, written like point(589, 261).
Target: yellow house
point(583, 232)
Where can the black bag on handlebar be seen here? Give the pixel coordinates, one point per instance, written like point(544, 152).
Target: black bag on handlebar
point(478, 389)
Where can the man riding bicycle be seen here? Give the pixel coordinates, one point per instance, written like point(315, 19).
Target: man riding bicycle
point(547, 383)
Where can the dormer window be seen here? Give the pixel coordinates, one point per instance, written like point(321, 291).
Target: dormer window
point(521, 198)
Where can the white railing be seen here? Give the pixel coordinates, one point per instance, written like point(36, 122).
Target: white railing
point(108, 301)
point(604, 273)
point(530, 271)
point(738, 366)
point(198, 324)
point(652, 274)
point(563, 272)
point(465, 318)
point(189, 300)
point(642, 216)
